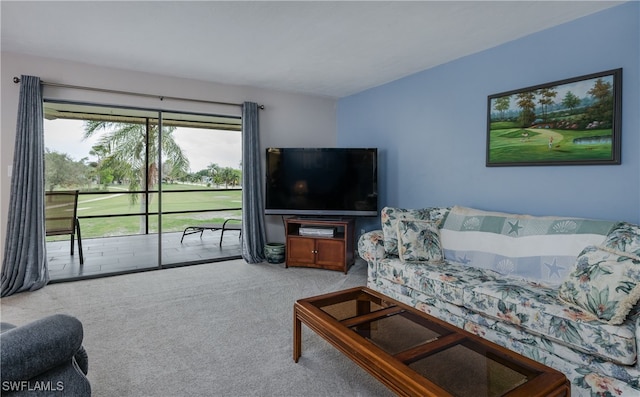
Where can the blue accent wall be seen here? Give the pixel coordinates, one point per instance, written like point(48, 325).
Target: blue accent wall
point(430, 127)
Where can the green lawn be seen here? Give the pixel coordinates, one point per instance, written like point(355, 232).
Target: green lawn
point(119, 203)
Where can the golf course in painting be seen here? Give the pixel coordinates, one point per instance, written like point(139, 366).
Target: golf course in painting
point(573, 121)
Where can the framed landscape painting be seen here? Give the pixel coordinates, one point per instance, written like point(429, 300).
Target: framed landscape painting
point(569, 122)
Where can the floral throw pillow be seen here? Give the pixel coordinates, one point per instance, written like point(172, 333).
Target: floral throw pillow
point(419, 240)
point(605, 283)
point(391, 215)
point(625, 237)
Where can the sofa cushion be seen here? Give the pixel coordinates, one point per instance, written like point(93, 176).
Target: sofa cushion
point(389, 217)
point(555, 355)
point(419, 240)
point(605, 283)
point(541, 249)
point(442, 281)
point(439, 308)
point(538, 310)
point(514, 337)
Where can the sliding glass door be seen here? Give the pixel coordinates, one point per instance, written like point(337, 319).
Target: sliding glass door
point(144, 177)
point(200, 190)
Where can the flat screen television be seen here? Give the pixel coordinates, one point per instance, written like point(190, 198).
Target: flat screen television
point(322, 181)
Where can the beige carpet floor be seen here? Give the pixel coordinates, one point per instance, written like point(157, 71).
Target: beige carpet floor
point(219, 329)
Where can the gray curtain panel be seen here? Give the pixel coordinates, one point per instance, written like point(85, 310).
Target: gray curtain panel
point(253, 230)
point(24, 266)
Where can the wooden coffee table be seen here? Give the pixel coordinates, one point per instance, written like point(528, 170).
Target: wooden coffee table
point(415, 354)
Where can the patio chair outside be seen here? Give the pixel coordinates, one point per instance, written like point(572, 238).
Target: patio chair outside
point(60, 212)
point(236, 225)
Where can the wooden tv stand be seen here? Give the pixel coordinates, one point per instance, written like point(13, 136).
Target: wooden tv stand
point(334, 252)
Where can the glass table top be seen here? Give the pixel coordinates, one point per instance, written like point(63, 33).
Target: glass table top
point(439, 353)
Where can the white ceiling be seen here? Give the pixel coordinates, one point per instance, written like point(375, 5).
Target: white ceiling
point(323, 48)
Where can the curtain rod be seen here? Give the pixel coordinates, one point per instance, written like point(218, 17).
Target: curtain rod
point(161, 97)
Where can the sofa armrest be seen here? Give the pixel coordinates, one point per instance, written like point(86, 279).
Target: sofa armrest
point(40, 346)
point(371, 249)
point(371, 246)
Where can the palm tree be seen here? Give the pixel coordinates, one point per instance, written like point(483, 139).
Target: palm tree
point(127, 154)
point(214, 170)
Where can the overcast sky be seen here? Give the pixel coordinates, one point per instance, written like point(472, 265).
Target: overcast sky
point(202, 147)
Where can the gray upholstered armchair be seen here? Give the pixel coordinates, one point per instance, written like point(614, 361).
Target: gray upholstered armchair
point(44, 358)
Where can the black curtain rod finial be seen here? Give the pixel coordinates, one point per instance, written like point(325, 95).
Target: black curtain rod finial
point(16, 80)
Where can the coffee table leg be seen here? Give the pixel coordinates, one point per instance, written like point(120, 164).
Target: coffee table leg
point(297, 336)
point(362, 308)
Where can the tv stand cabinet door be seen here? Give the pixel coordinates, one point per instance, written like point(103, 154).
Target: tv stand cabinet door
point(330, 254)
point(301, 251)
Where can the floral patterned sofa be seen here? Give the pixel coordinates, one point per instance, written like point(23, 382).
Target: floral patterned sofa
point(562, 291)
